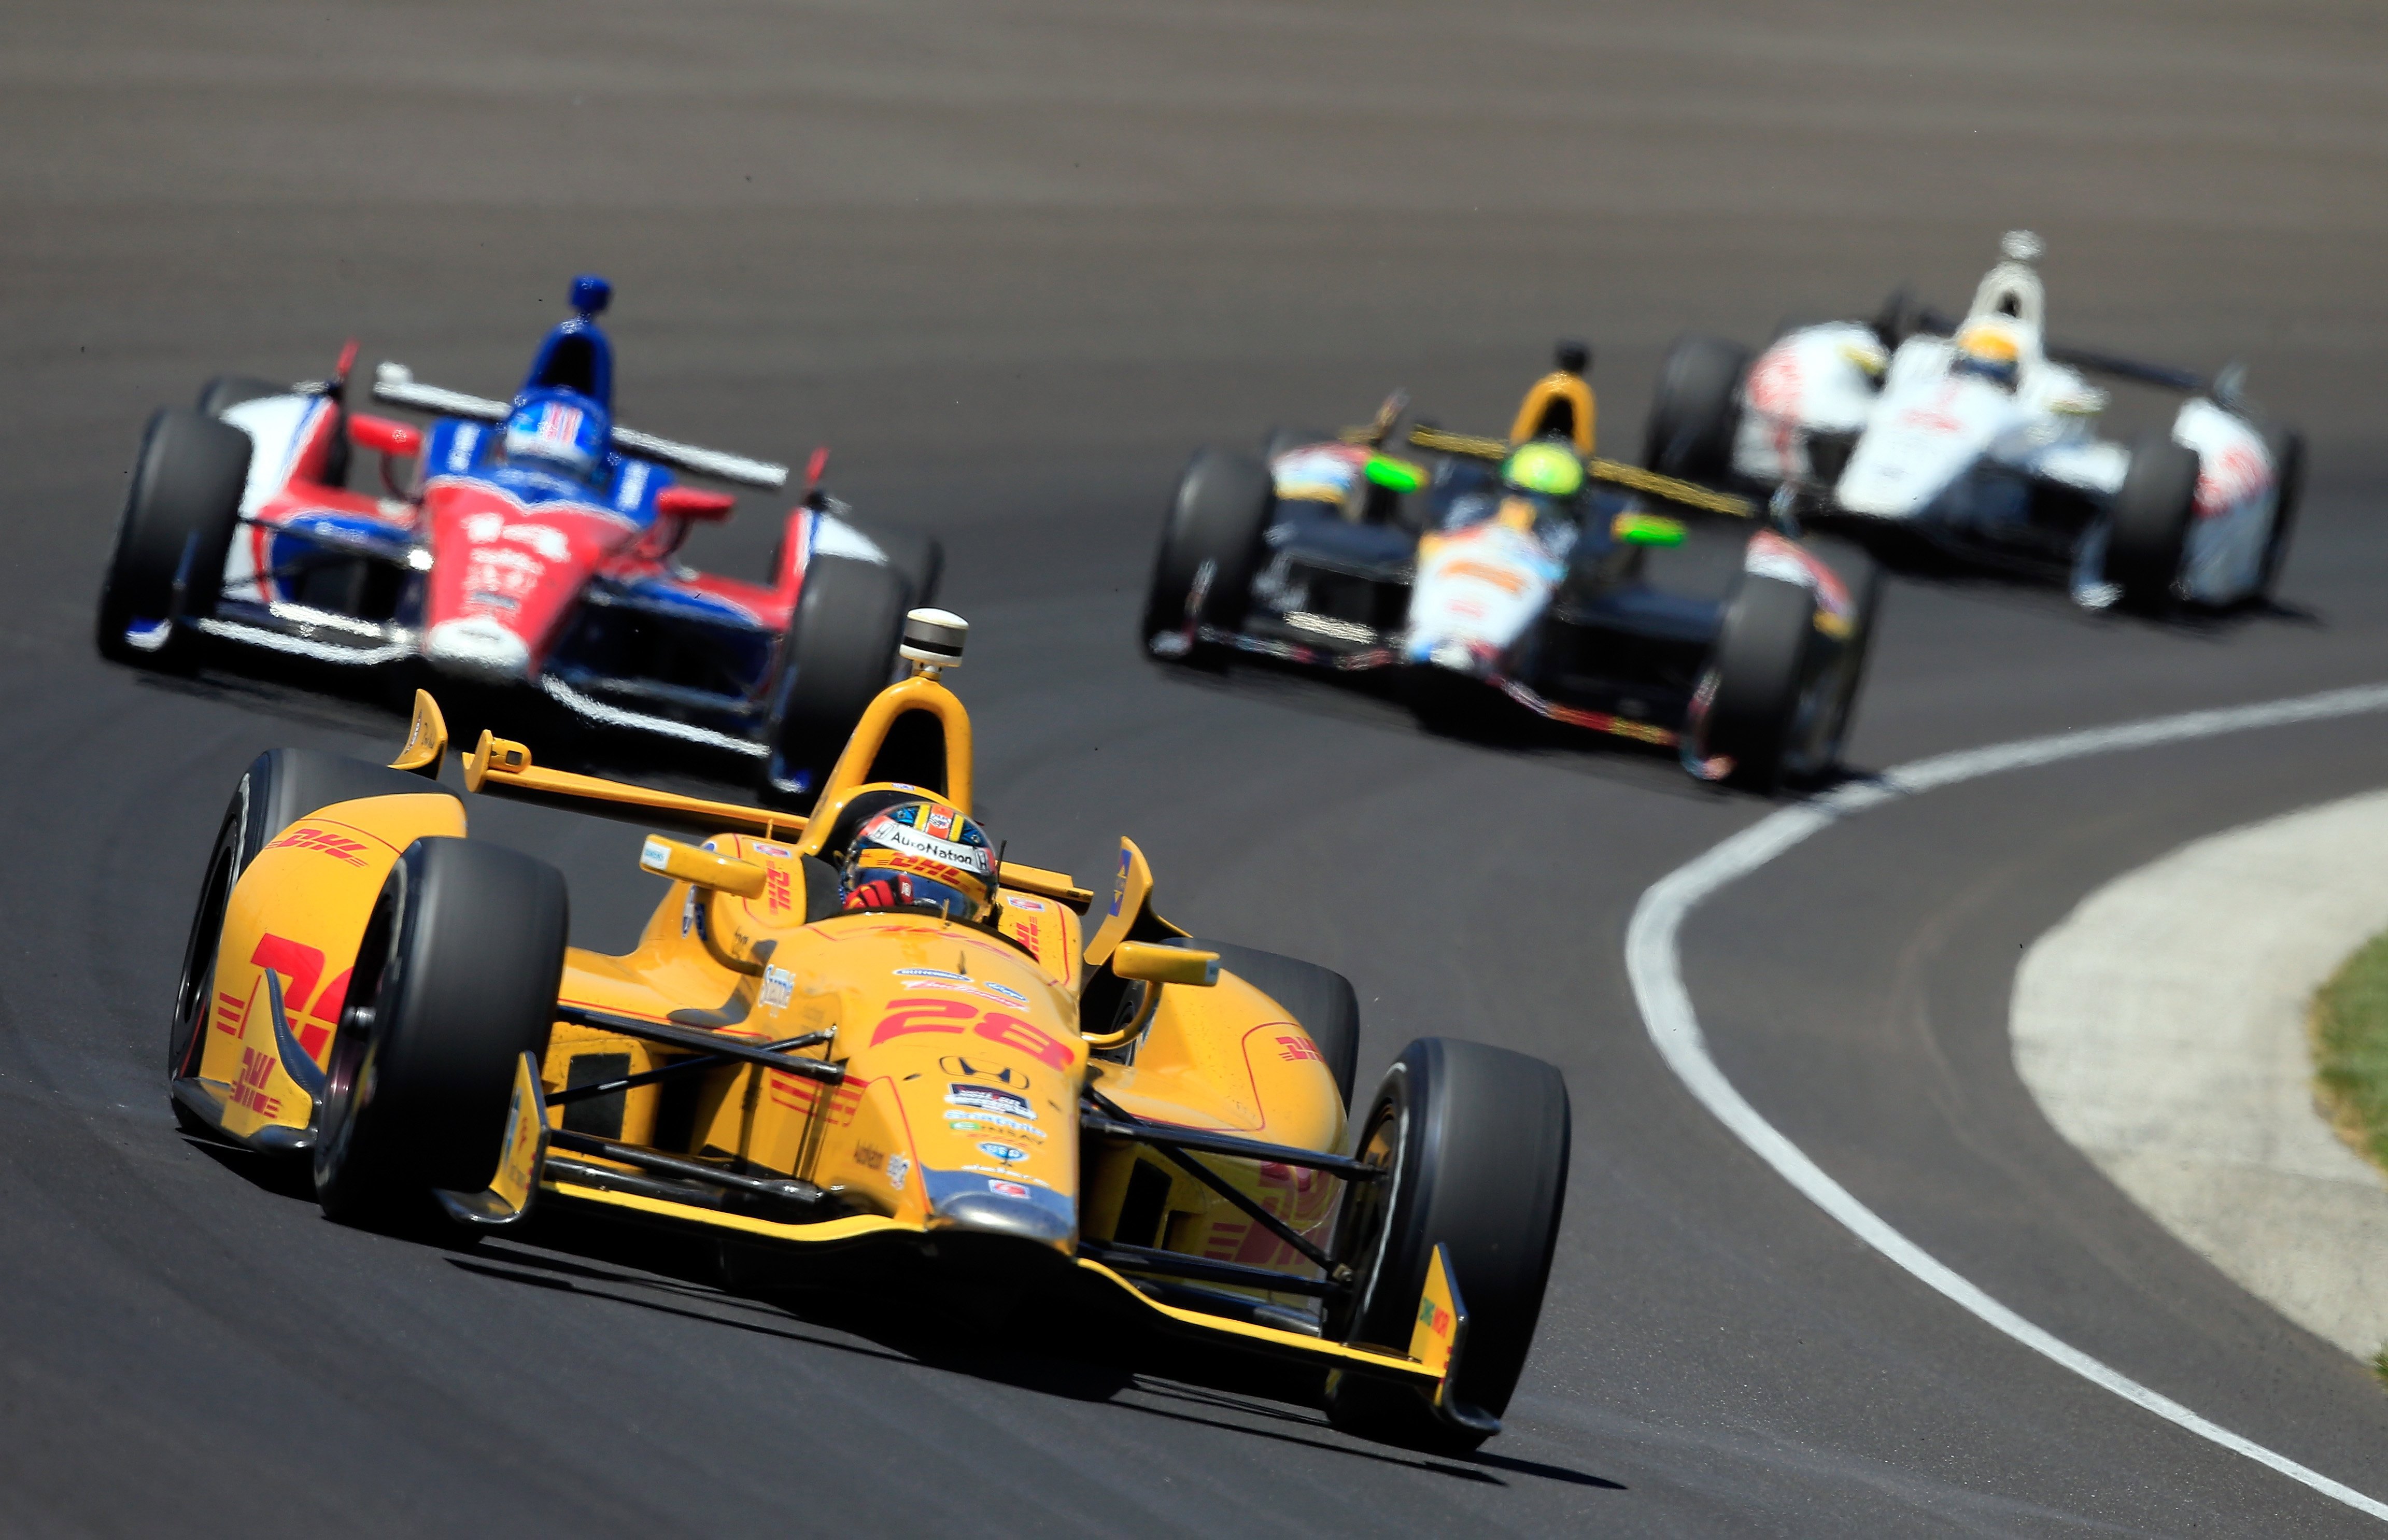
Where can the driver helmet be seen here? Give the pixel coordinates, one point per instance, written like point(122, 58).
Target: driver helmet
point(558, 430)
point(921, 853)
point(1987, 349)
point(1544, 468)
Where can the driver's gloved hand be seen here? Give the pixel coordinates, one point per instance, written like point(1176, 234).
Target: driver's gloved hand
point(873, 895)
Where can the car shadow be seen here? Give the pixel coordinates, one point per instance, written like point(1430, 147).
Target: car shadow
point(1126, 1371)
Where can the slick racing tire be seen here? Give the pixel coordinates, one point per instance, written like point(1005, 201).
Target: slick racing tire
point(2288, 449)
point(1476, 1139)
point(1210, 549)
point(280, 787)
point(2148, 530)
point(1828, 699)
point(1696, 409)
point(839, 653)
point(184, 500)
point(1758, 677)
point(1320, 999)
point(455, 980)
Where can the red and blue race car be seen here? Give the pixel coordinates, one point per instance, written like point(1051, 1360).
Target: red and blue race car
point(532, 543)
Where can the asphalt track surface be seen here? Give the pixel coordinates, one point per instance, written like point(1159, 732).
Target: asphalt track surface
point(1012, 261)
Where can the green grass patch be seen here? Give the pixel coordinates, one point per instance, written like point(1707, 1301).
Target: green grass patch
point(2349, 1027)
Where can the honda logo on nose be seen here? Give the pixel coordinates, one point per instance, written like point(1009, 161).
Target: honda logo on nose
point(993, 1074)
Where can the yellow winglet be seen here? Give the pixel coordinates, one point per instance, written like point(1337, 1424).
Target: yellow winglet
point(1438, 1336)
point(515, 1182)
point(427, 739)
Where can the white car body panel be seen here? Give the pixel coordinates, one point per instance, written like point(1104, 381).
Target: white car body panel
point(1474, 593)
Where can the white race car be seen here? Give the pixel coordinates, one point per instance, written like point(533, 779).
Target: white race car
point(1983, 439)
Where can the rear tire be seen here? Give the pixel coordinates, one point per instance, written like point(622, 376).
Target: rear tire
point(1696, 409)
point(2288, 448)
point(1210, 549)
point(1320, 999)
point(1477, 1138)
point(839, 653)
point(2149, 528)
point(187, 480)
point(280, 787)
point(455, 980)
point(1755, 679)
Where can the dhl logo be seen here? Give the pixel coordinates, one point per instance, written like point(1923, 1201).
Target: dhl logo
point(256, 1071)
point(1294, 1049)
point(323, 842)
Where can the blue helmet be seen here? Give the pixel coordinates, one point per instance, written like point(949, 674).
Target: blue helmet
point(557, 430)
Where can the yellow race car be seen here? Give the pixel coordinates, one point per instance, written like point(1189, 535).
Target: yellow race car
point(991, 1094)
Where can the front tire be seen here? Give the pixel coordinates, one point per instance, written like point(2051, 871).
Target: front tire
point(1695, 412)
point(455, 980)
point(280, 787)
point(840, 652)
point(1750, 694)
point(1210, 549)
point(2148, 533)
point(1477, 1140)
point(180, 513)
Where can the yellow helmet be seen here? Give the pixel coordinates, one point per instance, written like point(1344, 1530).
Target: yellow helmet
point(1987, 349)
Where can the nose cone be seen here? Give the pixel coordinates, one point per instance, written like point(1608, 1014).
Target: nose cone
point(979, 1205)
point(477, 647)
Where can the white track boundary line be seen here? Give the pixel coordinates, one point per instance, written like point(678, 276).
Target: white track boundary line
point(1654, 965)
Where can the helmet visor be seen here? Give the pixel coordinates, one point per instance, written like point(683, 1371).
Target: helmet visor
point(888, 879)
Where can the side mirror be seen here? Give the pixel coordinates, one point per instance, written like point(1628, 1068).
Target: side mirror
point(689, 502)
point(689, 863)
point(1142, 960)
point(381, 432)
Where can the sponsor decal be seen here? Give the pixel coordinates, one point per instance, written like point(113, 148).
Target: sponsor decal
point(323, 842)
point(302, 965)
point(1028, 932)
point(692, 917)
point(2226, 478)
point(869, 1159)
point(256, 1070)
point(940, 822)
point(975, 1121)
point(906, 1017)
point(777, 985)
point(1033, 905)
point(987, 1099)
point(777, 852)
point(1295, 1049)
point(231, 1012)
point(778, 890)
point(1002, 1188)
point(1119, 883)
point(1007, 1153)
point(938, 978)
point(994, 1075)
point(1435, 1319)
point(905, 840)
point(898, 1167)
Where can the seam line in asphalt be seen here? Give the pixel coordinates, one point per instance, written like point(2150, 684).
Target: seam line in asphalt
point(1654, 966)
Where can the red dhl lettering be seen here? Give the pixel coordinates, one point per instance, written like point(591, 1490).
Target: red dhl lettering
point(255, 1071)
point(323, 842)
point(1294, 1048)
point(231, 1014)
point(778, 889)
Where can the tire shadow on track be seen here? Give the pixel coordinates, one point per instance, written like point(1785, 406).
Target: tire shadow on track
point(1130, 1374)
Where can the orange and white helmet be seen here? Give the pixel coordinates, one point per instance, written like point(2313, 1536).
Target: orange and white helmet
point(920, 854)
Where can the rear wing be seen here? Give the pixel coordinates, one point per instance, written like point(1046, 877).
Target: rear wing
point(1690, 494)
point(395, 384)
